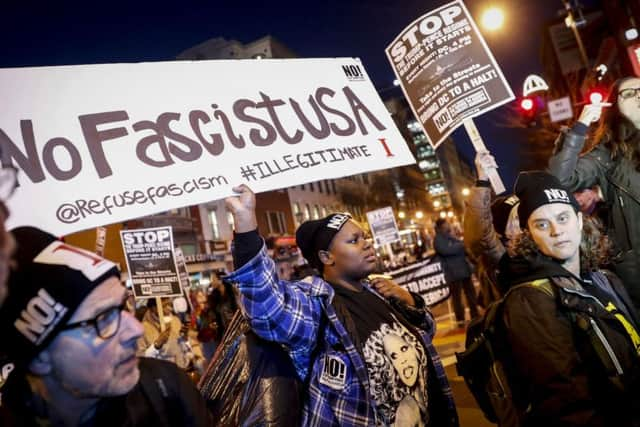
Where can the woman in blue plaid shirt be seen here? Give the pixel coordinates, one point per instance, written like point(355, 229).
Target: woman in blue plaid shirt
point(362, 346)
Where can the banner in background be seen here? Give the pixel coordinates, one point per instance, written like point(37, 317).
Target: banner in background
point(425, 278)
point(99, 144)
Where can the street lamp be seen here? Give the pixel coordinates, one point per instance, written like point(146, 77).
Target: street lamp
point(443, 214)
point(436, 204)
point(419, 214)
point(401, 215)
point(492, 19)
point(465, 192)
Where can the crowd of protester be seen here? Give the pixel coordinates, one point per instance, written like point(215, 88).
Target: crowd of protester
point(332, 345)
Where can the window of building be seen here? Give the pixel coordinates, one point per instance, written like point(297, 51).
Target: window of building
point(186, 212)
point(276, 222)
point(324, 211)
point(432, 175)
point(311, 186)
point(189, 249)
point(333, 187)
point(231, 221)
point(436, 189)
point(302, 187)
point(307, 212)
point(316, 212)
point(213, 222)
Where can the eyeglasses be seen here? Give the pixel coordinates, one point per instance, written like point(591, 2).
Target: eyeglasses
point(629, 92)
point(106, 323)
point(8, 181)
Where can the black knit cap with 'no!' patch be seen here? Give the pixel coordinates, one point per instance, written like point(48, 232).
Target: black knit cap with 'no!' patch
point(316, 235)
point(537, 188)
point(49, 281)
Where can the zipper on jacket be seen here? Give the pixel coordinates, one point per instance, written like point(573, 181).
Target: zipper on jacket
point(584, 295)
point(607, 346)
point(624, 219)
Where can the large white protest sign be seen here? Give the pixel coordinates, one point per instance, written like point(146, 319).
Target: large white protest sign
point(98, 144)
point(446, 70)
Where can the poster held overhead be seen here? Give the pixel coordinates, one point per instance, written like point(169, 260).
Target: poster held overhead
point(187, 132)
point(447, 72)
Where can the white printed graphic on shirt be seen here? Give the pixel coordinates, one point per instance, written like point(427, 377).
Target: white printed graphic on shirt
point(397, 367)
point(334, 373)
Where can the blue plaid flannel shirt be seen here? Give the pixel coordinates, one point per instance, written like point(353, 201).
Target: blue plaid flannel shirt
point(290, 313)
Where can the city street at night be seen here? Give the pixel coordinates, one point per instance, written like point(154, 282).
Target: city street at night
point(339, 213)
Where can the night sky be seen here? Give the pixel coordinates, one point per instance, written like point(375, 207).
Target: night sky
point(70, 32)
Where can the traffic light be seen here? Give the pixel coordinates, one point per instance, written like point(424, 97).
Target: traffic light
point(527, 104)
point(596, 96)
point(528, 110)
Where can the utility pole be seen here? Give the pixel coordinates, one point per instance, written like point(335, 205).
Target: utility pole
point(571, 23)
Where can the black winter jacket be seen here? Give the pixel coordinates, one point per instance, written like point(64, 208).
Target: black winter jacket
point(564, 379)
point(620, 185)
point(164, 397)
point(452, 254)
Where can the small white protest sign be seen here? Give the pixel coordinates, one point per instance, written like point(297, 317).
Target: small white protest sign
point(560, 109)
point(383, 226)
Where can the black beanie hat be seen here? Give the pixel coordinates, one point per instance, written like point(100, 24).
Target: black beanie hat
point(501, 209)
point(48, 282)
point(537, 188)
point(316, 235)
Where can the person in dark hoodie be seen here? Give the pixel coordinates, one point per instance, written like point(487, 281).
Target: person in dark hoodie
point(456, 269)
point(571, 326)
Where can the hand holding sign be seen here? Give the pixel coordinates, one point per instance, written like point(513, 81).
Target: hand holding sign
point(163, 337)
point(388, 289)
point(243, 208)
point(478, 144)
point(591, 113)
point(484, 161)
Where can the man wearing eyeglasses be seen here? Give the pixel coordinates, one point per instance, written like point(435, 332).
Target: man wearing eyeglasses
point(73, 343)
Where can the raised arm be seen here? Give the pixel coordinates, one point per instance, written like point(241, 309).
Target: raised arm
point(480, 238)
point(573, 171)
point(277, 311)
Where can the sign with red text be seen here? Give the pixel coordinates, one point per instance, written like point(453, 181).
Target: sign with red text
point(446, 70)
point(151, 262)
point(99, 144)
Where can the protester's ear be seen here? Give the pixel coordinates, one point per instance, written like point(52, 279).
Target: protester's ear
point(326, 258)
point(41, 364)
